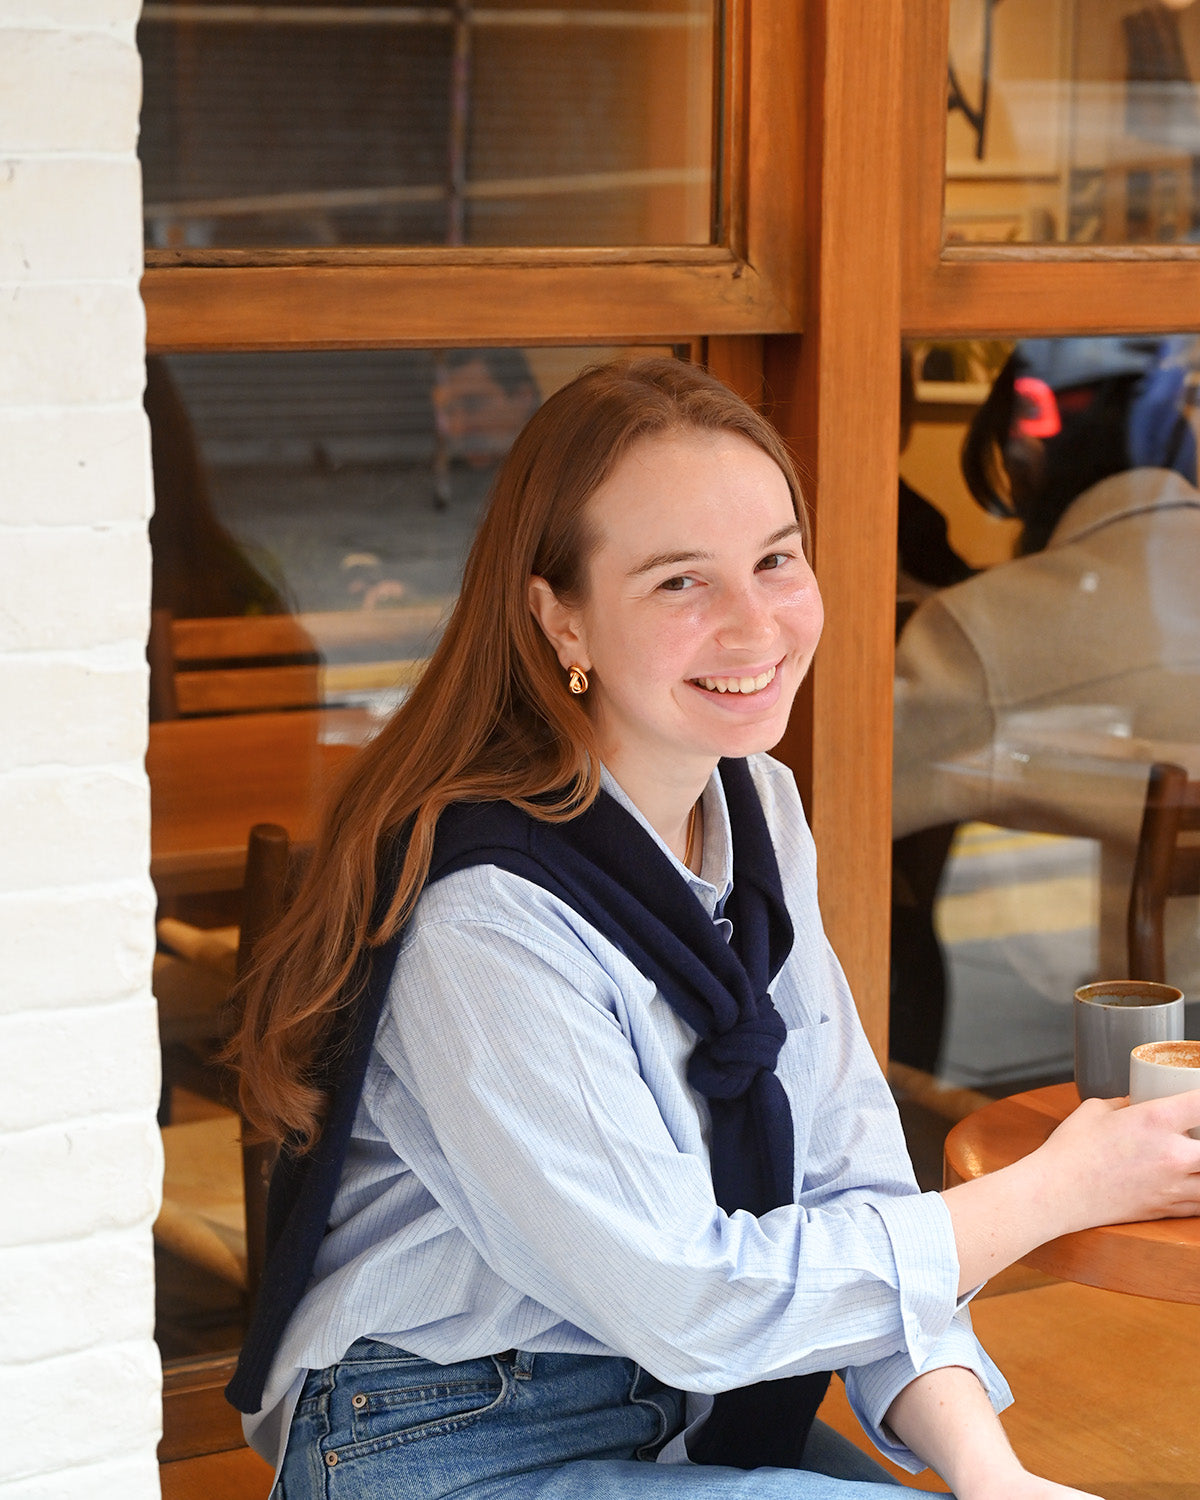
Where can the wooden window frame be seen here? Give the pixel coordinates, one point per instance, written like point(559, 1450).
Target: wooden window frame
point(811, 184)
point(749, 283)
point(952, 291)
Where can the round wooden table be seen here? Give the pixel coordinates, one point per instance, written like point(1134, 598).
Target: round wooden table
point(1156, 1259)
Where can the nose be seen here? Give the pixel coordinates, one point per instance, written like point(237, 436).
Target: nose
point(748, 622)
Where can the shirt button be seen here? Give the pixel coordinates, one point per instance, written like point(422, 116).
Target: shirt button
point(358, 1401)
point(331, 1459)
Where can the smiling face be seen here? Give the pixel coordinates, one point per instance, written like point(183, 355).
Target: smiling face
point(701, 612)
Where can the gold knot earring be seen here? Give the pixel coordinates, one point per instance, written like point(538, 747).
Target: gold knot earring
point(577, 680)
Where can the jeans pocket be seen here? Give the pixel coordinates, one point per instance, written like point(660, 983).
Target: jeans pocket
point(382, 1405)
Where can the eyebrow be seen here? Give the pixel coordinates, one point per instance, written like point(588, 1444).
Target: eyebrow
point(674, 559)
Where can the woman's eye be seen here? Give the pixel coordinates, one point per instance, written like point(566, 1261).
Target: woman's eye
point(773, 560)
point(678, 584)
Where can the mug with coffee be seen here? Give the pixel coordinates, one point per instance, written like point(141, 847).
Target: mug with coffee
point(1111, 1018)
point(1157, 1069)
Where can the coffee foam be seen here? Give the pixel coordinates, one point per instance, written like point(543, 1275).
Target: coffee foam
point(1170, 1054)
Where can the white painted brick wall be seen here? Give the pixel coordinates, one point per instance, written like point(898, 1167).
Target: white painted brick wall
point(80, 1161)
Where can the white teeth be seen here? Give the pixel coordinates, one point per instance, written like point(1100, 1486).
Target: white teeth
point(737, 684)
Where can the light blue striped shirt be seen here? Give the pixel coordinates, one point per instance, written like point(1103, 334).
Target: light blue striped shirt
point(529, 1167)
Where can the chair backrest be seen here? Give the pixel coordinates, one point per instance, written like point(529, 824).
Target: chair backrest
point(255, 663)
point(273, 868)
point(1167, 864)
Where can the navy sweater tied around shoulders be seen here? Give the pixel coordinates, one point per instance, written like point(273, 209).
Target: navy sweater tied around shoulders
point(605, 866)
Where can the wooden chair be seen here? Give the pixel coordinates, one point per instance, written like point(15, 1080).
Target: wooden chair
point(194, 971)
point(1167, 864)
point(256, 663)
point(215, 1182)
point(194, 979)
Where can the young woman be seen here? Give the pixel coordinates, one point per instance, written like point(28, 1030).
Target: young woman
point(589, 1175)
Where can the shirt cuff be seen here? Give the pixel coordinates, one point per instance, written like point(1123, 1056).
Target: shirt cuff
point(926, 1260)
point(871, 1389)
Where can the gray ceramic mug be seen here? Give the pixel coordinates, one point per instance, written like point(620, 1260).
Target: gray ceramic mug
point(1111, 1018)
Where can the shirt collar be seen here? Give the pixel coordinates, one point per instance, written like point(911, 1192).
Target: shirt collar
point(715, 881)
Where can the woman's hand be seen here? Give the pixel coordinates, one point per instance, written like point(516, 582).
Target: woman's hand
point(1109, 1162)
point(1114, 1163)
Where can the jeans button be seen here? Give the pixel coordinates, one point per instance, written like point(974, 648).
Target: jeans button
point(359, 1401)
point(331, 1459)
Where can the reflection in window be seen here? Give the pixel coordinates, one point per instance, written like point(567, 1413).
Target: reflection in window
point(429, 124)
point(1073, 121)
point(340, 489)
point(313, 512)
point(1032, 698)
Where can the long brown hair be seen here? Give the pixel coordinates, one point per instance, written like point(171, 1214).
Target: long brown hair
point(489, 719)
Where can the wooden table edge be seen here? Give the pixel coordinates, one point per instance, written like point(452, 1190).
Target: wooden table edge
point(1145, 1259)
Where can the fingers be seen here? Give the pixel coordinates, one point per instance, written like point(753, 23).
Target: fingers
point(1177, 1112)
point(1126, 1162)
point(1104, 1106)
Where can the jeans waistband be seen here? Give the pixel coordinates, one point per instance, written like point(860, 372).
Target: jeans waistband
point(519, 1360)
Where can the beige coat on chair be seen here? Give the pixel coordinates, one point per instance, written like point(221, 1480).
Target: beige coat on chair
point(1036, 695)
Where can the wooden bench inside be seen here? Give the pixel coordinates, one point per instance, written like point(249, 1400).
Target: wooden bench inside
point(202, 1455)
point(236, 1474)
point(254, 663)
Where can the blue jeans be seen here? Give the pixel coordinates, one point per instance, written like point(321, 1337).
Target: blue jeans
point(386, 1425)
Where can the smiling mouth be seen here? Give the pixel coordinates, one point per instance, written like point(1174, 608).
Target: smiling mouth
point(736, 684)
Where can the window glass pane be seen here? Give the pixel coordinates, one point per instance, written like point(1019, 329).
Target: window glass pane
point(321, 485)
point(1075, 121)
point(297, 125)
point(1033, 693)
point(313, 511)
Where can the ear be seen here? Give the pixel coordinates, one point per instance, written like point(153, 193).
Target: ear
point(560, 625)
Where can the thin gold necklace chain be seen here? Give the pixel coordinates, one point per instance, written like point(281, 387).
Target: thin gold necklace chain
point(691, 837)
